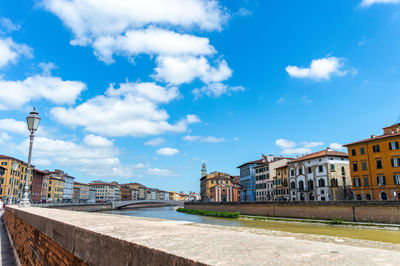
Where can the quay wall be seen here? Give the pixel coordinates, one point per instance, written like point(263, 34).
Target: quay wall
point(39, 240)
point(352, 211)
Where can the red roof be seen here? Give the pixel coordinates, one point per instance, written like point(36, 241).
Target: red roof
point(102, 184)
point(327, 152)
point(372, 138)
point(252, 162)
point(12, 158)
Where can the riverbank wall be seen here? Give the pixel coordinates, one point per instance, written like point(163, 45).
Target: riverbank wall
point(352, 211)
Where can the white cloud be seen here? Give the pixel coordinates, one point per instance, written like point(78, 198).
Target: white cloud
point(184, 69)
point(14, 126)
point(155, 142)
point(290, 147)
point(209, 139)
point(320, 69)
point(337, 146)
point(372, 2)
point(4, 137)
point(97, 141)
point(285, 144)
point(130, 110)
point(306, 99)
point(193, 119)
point(38, 87)
point(168, 151)
point(236, 138)
point(10, 51)
point(308, 144)
point(160, 172)
point(151, 41)
point(216, 90)
point(8, 25)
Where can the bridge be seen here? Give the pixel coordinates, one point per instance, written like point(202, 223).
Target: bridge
point(126, 203)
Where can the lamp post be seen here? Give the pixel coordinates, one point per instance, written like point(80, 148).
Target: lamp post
point(14, 167)
point(32, 121)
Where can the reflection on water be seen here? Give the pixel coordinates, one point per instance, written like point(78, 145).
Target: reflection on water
point(170, 213)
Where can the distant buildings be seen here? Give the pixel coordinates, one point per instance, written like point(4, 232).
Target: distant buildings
point(375, 166)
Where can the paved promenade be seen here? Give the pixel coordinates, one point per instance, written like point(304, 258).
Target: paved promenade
point(220, 245)
point(6, 255)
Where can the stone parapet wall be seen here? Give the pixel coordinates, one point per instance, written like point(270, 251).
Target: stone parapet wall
point(40, 240)
point(353, 211)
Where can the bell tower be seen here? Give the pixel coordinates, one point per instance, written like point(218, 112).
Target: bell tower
point(203, 169)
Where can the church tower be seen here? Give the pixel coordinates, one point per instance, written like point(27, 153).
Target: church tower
point(203, 169)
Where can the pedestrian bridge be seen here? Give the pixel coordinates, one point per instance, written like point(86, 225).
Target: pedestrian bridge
point(126, 203)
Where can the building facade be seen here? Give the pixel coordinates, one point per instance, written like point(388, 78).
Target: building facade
point(37, 185)
point(281, 184)
point(225, 189)
point(68, 188)
point(248, 179)
point(375, 166)
point(81, 192)
point(55, 189)
point(320, 176)
point(105, 192)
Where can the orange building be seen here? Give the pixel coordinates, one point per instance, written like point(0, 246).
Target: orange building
point(375, 166)
point(281, 183)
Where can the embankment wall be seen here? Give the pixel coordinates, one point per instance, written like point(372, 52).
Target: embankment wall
point(355, 211)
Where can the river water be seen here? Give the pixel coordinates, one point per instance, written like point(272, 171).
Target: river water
point(170, 213)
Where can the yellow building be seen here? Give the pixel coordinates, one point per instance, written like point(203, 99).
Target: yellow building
point(281, 183)
point(211, 180)
point(55, 189)
point(375, 166)
point(10, 179)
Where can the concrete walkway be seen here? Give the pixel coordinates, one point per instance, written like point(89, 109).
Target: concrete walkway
point(6, 254)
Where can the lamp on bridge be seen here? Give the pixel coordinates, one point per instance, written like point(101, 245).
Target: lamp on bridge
point(14, 167)
point(32, 121)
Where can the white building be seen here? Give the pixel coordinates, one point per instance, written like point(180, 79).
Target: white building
point(135, 194)
point(105, 192)
point(320, 176)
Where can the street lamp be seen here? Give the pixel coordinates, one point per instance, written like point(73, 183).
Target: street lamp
point(14, 167)
point(32, 121)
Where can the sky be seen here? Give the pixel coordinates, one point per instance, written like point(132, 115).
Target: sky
point(144, 91)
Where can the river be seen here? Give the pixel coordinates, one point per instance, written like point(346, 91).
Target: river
point(170, 213)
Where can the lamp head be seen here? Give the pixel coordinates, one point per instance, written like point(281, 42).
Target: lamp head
point(33, 121)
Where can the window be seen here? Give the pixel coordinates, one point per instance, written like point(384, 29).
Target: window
point(395, 162)
point(332, 168)
point(364, 165)
point(379, 164)
point(393, 145)
point(396, 179)
point(362, 150)
point(320, 168)
point(357, 182)
point(355, 166)
point(381, 180)
point(3, 163)
point(321, 182)
point(309, 170)
point(292, 185)
point(291, 172)
point(300, 171)
point(334, 182)
point(366, 181)
point(343, 171)
point(353, 152)
point(376, 148)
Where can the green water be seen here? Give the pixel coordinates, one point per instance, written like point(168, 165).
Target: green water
point(170, 213)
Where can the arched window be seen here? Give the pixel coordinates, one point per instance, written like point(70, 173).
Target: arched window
point(293, 185)
point(321, 182)
point(358, 197)
point(312, 196)
point(368, 197)
point(302, 197)
point(383, 196)
point(301, 185)
point(334, 182)
point(310, 184)
point(343, 171)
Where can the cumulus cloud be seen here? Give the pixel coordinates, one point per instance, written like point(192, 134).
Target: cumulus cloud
point(14, 126)
point(168, 151)
point(337, 146)
point(290, 147)
point(178, 70)
point(372, 2)
point(130, 110)
point(216, 90)
point(11, 51)
point(209, 139)
point(4, 137)
point(9, 26)
point(160, 172)
point(97, 141)
point(37, 87)
point(319, 69)
point(155, 142)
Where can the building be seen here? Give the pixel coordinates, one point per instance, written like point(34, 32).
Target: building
point(135, 194)
point(92, 195)
point(275, 184)
point(37, 185)
point(105, 192)
point(173, 195)
point(320, 176)
point(55, 189)
point(81, 193)
point(281, 184)
point(183, 196)
point(12, 182)
point(125, 192)
point(217, 186)
point(193, 196)
point(375, 166)
point(68, 188)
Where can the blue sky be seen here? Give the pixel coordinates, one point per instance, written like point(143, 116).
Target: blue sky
point(143, 91)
